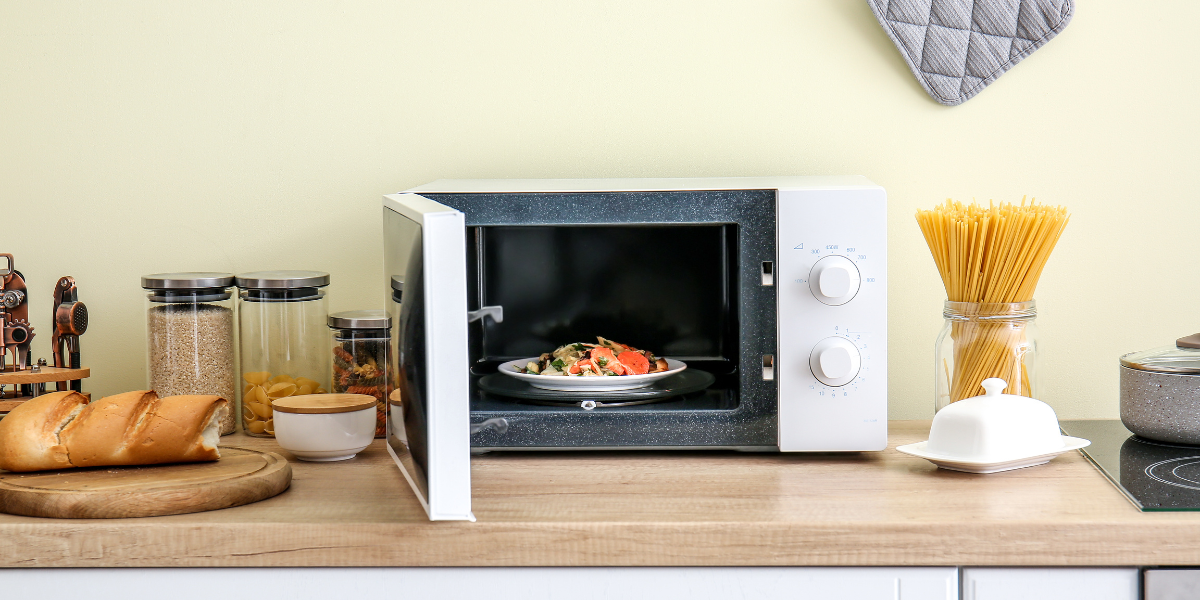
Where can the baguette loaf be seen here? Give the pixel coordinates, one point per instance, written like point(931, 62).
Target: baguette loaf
point(57, 431)
point(29, 435)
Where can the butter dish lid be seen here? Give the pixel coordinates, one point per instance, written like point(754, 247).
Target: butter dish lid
point(995, 426)
point(1183, 358)
point(323, 404)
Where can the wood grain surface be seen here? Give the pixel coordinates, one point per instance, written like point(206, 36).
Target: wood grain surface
point(46, 375)
point(241, 476)
point(647, 508)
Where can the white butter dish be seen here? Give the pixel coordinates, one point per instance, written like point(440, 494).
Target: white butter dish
point(994, 432)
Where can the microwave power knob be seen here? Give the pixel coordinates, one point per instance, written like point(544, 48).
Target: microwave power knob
point(834, 280)
point(835, 361)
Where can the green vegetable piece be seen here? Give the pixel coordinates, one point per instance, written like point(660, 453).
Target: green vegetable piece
point(602, 361)
point(558, 364)
point(579, 347)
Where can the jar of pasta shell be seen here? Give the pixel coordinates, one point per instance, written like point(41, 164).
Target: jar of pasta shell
point(282, 336)
point(981, 340)
point(361, 342)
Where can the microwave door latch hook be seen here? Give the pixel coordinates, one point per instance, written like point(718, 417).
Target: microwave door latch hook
point(495, 312)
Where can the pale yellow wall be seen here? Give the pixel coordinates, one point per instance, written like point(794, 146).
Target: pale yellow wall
point(138, 137)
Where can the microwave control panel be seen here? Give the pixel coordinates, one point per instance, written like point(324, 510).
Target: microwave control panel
point(831, 280)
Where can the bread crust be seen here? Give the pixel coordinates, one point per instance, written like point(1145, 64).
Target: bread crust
point(174, 431)
point(97, 437)
point(35, 424)
point(58, 431)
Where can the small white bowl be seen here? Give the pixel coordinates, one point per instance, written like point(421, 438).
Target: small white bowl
point(325, 427)
point(994, 432)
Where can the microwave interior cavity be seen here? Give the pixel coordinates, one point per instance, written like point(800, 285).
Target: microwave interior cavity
point(670, 289)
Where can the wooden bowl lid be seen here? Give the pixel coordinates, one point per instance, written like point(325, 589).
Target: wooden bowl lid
point(394, 398)
point(323, 404)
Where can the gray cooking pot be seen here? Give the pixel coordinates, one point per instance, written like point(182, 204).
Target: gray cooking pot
point(1160, 392)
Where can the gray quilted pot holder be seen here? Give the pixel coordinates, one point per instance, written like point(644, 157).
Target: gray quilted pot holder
point(957, 47)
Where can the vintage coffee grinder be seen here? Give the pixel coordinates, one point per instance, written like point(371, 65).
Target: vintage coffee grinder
point(70, 321)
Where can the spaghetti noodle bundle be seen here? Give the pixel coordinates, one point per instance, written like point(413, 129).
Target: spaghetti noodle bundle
point(989, 257)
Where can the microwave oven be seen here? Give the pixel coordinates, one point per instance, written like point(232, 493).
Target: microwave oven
point(772, 291)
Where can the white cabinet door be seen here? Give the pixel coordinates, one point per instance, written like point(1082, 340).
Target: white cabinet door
point(548, 583)
point(1050, 584)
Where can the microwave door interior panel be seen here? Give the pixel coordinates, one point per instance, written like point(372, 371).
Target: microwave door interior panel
point(428, 424)
point(771, 290)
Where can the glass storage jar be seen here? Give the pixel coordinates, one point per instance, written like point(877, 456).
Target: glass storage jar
point(189, 336)
point(282, 331)
point(361, 350)
point(982, 340)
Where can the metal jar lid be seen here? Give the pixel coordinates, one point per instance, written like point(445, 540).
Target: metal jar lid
point(360, 319)
point(187, 281)
point(282, 280)
point(1182, 359)
point(398, 283)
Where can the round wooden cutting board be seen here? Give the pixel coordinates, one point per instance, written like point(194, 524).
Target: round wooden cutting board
point(241, 476)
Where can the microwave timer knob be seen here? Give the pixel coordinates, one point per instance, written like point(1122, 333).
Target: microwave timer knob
point(834, 280)
point(835, 361)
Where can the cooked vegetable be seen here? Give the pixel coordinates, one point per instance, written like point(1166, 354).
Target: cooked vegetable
point(591, 360)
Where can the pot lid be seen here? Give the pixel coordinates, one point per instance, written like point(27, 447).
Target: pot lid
point(187, 281)
point(323, 404)
point(360, 319)
point(276, 280)
point(1182, 358)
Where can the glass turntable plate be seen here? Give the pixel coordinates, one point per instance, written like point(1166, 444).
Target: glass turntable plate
point(684, 382)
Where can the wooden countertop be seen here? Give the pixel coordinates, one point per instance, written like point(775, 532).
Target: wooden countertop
point(646, 508)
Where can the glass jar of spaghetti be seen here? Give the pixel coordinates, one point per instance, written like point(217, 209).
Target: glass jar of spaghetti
point(361, 344)
point(981, 340)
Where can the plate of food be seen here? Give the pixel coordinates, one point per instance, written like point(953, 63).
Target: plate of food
point(605, 366)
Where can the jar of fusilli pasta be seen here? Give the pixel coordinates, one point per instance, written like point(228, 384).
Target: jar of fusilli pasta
point(982, 340)
point(361, 344)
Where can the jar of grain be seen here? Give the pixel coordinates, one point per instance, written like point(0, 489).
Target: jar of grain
point(189, 335)
point(283, 335)
point(360, 341)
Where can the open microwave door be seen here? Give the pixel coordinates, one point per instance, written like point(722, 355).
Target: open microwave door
point(428, 417)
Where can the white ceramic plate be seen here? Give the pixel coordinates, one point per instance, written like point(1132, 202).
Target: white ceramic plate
point(991, 466)
point(561, 383)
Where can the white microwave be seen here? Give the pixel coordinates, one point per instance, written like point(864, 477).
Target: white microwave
point(770, 292)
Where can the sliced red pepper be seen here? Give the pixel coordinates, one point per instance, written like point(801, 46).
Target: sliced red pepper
point(634, 362)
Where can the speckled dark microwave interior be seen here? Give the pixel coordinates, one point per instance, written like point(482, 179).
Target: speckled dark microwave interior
point(677, 273)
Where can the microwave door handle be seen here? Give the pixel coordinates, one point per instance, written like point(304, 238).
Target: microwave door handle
point(495, 312)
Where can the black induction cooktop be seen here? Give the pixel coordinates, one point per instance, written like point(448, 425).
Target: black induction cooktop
point(1154, 475)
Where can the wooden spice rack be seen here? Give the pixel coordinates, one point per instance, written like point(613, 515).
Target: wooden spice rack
point(10, 376)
